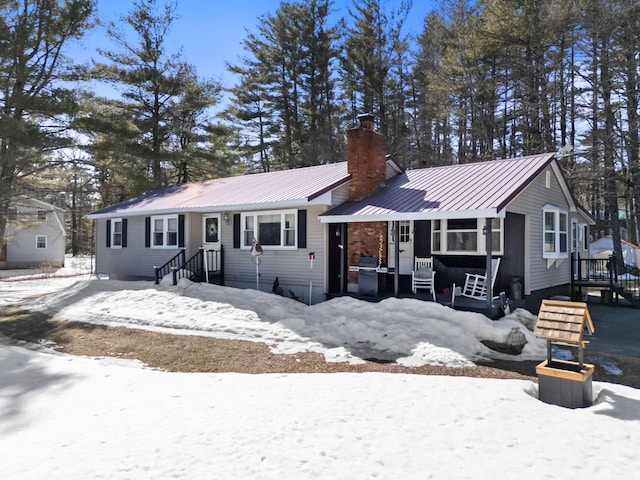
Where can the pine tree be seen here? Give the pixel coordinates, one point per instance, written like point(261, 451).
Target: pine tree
point(285, 95)
point(368, 59)
point(34, 103)
point(162, 105)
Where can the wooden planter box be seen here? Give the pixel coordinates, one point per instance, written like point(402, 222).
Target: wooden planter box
point(564, 383)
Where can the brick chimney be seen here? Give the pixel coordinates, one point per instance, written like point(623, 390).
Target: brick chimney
point(367, 164)
point(366, 158)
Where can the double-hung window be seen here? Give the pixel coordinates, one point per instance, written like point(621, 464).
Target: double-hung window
point(556, 226)
point(116, 233)
point(272, 230)
point(41, 241)
point(164, 231)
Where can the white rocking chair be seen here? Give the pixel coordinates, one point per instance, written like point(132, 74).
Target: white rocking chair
point(423, 276)
point(475, 285)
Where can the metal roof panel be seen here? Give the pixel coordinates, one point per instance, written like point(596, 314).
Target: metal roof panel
point(247, 191)
point(483, 186)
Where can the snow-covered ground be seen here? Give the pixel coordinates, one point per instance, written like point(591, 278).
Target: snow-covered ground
point(65, 417)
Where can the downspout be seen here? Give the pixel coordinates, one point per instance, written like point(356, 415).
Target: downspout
point(489, 273)
point(396, 256)
point(343, 253)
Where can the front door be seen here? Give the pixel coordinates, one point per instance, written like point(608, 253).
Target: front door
point(211, 231)
point(337, 258)
point(404, 236)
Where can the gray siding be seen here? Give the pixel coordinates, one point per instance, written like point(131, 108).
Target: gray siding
point(530, 203)
point(135, 260)
point(193, 234)
point(340, 195)
point(292, 267)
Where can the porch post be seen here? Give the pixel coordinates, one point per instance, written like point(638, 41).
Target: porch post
point(343, 253)
point(396, 256)
point(489, 273)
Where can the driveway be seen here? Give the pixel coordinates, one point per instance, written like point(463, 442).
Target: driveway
point(617, 329)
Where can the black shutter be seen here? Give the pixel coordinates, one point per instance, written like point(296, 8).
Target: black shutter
point(124, 233)
point(180, 231)
point(236, 230)
point(302, 229)
point(147, 232)
point(108, 233)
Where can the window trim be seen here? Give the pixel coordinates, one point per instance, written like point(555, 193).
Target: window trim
point(575, 235)
point(38, 247)
point(557, 252)
point(113, 232)
point(165, 225)
point(481, 247)
point(283, 230)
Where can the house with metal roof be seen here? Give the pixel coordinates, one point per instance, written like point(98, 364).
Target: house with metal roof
point(312, 228)
point(278, 210)
point(35, 235)
point(523, 205)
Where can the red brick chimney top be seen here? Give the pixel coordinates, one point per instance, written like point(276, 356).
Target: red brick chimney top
point(366, 158)
point(367, 120)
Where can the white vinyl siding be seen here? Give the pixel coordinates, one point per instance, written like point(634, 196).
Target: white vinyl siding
point(37, 238)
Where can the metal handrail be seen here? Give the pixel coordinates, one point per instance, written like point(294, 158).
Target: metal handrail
point(175, 262)
point(194, 267)
point(611, 272)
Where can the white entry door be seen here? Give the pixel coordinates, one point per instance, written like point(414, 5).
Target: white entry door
point(211, 231)
point(404, 236)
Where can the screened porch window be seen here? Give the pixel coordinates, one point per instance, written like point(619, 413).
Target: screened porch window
point(465, 236)
point(462, 235)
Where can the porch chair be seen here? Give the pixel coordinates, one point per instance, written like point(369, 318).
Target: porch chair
point(423, 276)
point(475, 285)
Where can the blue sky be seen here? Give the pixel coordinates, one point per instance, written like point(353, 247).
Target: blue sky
point(210, 32)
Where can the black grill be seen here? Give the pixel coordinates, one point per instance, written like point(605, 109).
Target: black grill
point(368, 276)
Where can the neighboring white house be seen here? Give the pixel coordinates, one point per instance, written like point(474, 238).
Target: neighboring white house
point(603, 248)
point(34, 235)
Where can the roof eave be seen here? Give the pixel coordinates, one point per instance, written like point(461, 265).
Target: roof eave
point(279, 205)
point(526, 181)
point(399, 216)
point(329, 188)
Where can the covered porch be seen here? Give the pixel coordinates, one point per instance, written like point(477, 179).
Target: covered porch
point(444, 295)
